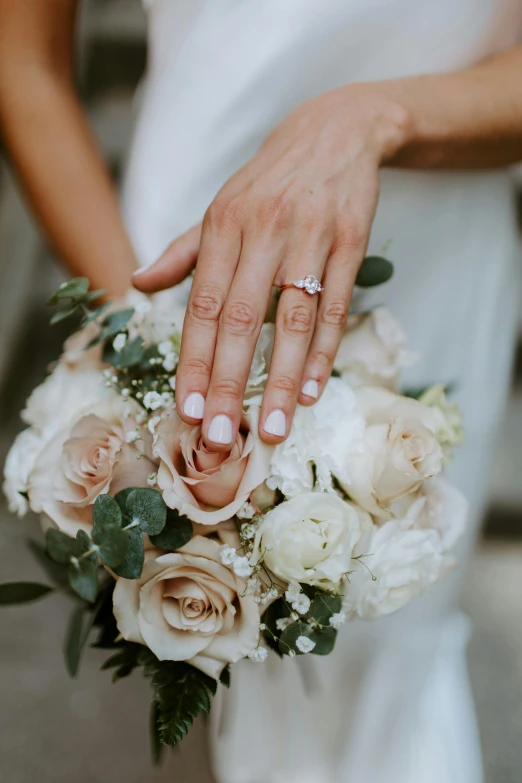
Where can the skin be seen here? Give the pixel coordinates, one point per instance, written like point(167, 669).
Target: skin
point(304, 204)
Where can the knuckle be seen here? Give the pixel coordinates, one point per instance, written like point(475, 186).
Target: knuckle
point(350, 234)
point(335, 313)
point(275, 213)
point(228, 389)
point(224, 213)
point(240, 317)
point(195, 366)
point(286, 384)
point(297, 320)
point(323, 359)
point(206, 304)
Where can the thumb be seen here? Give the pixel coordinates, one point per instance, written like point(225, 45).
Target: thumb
point(172, 266)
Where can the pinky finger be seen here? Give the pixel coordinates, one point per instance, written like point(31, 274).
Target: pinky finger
point(329, 327)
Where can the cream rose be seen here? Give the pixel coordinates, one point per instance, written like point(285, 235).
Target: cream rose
point(209, 487)
point(88, 458)
point(373, 350)
point(187, 606)
point(437, 505)
point(400, 450)
point(308, 539)
point(395, 564)
point(448, 419)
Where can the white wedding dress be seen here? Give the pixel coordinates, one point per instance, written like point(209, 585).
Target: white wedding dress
point(392, 705)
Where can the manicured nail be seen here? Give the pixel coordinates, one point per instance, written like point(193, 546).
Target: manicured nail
point(140, 271)
point(220, 430)
point(194, 406)
point(310, 389)
point(276, 423)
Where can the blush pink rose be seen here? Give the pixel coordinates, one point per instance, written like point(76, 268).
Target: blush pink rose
point(88, 458)
point(209, 487)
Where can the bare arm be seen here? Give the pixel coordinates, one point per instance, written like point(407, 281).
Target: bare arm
point(51, 145)
point(304, 205)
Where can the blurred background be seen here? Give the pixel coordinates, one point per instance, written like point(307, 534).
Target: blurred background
point(85, 730)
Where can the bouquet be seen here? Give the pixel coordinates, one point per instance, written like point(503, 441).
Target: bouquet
point(182, 561)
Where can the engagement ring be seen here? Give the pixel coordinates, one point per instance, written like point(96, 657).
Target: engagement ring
point(310, 284)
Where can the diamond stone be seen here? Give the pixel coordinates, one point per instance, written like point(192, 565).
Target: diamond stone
point(310, 284)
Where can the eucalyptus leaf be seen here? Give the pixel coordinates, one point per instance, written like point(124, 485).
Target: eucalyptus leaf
point(62, 315)
point(177, 532)
point(374, 270)
point(148, 509)
point(83, 578)
point(121, 499)
point(94, 314)
point(59, 546)
point(132, 565)
point(80, 624)
point(130, 355)
point(323, 606)
point(22, 592)
point(112, 542)
point(106, 511)
point(57, 572)
point(93, 295)
point(324, 639)
point(75, 288)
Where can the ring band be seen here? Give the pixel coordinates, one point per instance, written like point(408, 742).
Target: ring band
point(310, 284)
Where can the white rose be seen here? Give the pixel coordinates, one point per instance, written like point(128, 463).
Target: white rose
point(373, 350)
point(159, 317)
point(18, 466)
point(89, 457)
point(187, 606)
point(396, 563)
point(448, 419)
point(323, 434)
point(63, 394)
point(400, 450)
point(308, 539)
point(437, 505)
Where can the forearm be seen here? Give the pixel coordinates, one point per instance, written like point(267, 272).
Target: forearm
point(466, 119)
point(63, 174)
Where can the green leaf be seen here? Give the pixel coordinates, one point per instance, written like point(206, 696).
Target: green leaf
point(121, 499)
point(62, 315)
point(59, 546)
point(83, 571)
point(148, 509)
point(111, 325)
point(278, 609)
point(112, 542)
point(80, 624)
point(156, 746)
point(224, 678)
point(72, 289)
point(177, 532)
point(132, 565)
point(106, 511)
point(94, 314)
point(323, 606)
point(374, 270)
point(93, 295)
point(182, 693)
point(130, 356)
point(22, 592)
point(324, 639)
point(57, 572)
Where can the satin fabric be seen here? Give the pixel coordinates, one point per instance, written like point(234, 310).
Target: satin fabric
point(392, 705)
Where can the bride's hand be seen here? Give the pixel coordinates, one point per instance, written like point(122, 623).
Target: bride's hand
point(303, 205)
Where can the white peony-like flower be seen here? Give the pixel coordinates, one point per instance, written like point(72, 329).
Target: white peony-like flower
point(400, 450)
point(260, 365)
point(448, 419)
point(373, 350)
point(308, 539)
point(396, 563)
point(324, 434)
point(437, 505)
point(187, 606)
point(18, 466)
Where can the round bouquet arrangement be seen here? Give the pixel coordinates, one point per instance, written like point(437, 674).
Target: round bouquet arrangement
point(183, 561)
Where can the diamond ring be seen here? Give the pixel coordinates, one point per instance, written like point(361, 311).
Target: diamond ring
point(310, 284)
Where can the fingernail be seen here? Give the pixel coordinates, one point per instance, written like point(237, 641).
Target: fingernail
point(194, 406)
point(276, 423)
point(220, 430)
point(140, 271)
point(310, 389)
